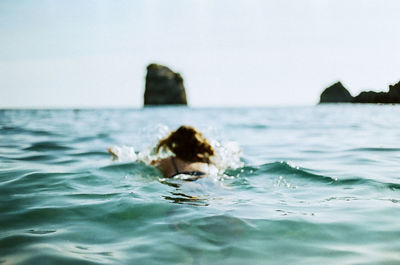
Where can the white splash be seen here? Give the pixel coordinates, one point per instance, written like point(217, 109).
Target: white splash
point(227, 153)
point(124, 153)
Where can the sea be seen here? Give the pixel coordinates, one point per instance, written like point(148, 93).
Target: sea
point(295, 185)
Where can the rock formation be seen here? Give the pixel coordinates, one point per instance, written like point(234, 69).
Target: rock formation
point(163, 87)
point(337, 93)
point(392, 96)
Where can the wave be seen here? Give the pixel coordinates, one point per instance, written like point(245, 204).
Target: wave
point(123, 166)
point(18, 130)
point(38, 180)
point(47, 146)
point(289, 171)
point(103, 136)
point(132, 169)
point(248, 126)
point(91, 153)
point(374, 149)
point(36, 158)
point(280, 168)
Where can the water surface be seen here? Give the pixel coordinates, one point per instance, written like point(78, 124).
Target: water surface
point(317, 185)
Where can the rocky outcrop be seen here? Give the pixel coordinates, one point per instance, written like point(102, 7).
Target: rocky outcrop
point(163, 87)
point(337, 93)
point(392, 96)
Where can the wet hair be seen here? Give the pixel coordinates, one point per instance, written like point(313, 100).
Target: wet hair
point(187, 144)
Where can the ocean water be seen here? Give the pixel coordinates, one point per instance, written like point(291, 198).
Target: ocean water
point(297, 185)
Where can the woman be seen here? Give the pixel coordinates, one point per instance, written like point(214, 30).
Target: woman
point(191, 154)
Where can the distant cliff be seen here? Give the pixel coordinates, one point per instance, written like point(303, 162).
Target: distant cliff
point(163, 87)
point(337, 93)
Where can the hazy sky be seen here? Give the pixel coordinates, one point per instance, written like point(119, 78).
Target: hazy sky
point(81, 53)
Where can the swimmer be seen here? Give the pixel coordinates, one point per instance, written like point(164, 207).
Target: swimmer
point(191, 153)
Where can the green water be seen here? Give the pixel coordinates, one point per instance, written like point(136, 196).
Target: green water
point(317, 185)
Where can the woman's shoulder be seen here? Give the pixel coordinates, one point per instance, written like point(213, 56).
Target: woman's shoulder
point(160, 161)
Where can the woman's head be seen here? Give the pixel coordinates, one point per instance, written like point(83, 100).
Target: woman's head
point(188, 144)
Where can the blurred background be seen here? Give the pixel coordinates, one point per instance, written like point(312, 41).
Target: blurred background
point(72, 54)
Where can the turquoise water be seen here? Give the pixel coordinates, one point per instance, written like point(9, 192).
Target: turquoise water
point(317, 185)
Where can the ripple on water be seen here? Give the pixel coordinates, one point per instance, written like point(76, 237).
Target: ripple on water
point(374, 149)
point(47, 146)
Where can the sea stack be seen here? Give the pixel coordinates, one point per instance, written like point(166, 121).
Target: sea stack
point(390, 97)
point(336, 93)
point(163, 87)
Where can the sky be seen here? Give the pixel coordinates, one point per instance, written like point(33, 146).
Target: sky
point(94, 54)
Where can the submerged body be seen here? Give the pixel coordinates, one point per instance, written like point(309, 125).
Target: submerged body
point(173, 166)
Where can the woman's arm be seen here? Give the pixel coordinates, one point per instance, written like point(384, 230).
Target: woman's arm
point(163, 165)
point(156, 162)
point(112, 152)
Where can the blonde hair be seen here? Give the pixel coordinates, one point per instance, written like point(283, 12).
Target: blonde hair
point(187, 144)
